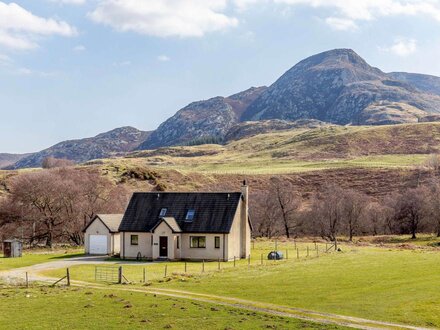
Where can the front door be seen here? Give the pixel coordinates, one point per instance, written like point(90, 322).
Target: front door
point(163, 246)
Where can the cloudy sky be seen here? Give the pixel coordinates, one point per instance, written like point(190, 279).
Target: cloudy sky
point(76, 68)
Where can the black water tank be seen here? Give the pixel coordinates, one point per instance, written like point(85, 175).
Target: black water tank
point(275, 255)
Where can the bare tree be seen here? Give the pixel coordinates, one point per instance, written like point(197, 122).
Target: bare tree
point(327, 211)
point(51, 162)
point(353, 205)
point(411, 210)
point(55, 204)
point(287, 203)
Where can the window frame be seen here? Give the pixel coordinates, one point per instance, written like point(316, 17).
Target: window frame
point(198, 239)
point(164, 210)
point(191, 212)
point(178, 242)
point(132, 239)
point(217, 240)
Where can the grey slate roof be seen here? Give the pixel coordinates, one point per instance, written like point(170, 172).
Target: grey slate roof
point(214, 212)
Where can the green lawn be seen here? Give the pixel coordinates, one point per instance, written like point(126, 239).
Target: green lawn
point(36, 257)
point(74, 308)
point(386, 284)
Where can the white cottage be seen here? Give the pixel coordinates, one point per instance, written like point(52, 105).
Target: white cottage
point(195, 226)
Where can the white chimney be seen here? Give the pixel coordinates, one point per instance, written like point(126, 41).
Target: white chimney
point(245, 227)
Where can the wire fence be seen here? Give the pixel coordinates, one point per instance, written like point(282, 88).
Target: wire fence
point(146, 273)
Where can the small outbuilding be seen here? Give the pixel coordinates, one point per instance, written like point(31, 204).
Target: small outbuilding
point(12, 248)
point(101, 236)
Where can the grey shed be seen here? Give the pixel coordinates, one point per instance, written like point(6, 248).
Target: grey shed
point(12, 248)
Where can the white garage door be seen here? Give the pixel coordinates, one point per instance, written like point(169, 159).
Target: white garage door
point(98, 244)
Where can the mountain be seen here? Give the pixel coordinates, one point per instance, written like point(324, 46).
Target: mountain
point(252, 128)
point(203, 119)
point(336, 87)
point(425, 83)
point(120, 140)
point(10, 159)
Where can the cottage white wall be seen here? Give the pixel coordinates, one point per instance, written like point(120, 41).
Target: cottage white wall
point(129, 251)
point(97, 228)
point(234, 238)
point(208, 253)
point(116, 243)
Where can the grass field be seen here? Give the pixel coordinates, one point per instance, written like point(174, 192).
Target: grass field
point(36, 257)
point(75, 308)
point(387, 284)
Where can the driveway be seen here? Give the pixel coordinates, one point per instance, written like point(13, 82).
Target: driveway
point(17, 274)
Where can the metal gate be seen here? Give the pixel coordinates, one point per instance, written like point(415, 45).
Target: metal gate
point(108, 274)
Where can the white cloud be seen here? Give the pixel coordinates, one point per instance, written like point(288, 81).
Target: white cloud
point(402, 47)
point(24, 71)
point(5, 59)
point(164, 18)
point(69, 2)
point(79, 48)
point(163, 58)
point(343, 11)
point(341, 24)
point(20, 29)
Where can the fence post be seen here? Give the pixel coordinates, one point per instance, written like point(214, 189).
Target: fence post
point(336, 244)
point(120, 275)
point(249, 261)
point(166, 269)
point(27, 280)
point(234, 261)
point(315, 246)
point(218, 263)
point(145, 275)
point(203, 265)
point(68, 277)
point(317, 252)
point(297, 253)
point(326, 247)
point(294, 244)
point(262, 259)
point(185, 267)
point(287, 254)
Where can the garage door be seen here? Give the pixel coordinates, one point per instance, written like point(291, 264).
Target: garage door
point(98, 244)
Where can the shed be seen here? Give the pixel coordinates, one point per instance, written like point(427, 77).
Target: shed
point(101, 235)
point(12, 248)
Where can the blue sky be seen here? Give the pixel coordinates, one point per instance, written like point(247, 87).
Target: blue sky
point(76, 68)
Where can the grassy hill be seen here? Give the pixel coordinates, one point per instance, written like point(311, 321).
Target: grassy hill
point(301, 150)
point(373, 159)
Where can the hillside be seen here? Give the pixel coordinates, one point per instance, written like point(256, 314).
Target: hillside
point(423, 82)
point(120, 140)
point(302, 149)
point(209, 118)
point(373, 159)
point(10, 159)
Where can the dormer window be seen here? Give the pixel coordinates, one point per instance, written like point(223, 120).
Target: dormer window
point(190, 215)
point(163, 212)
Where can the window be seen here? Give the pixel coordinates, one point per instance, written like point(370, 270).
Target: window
point(217, 242)
point(190, 215)
point(134, 240)
point(198, 242)
point(178, 242)
point(163, 212)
